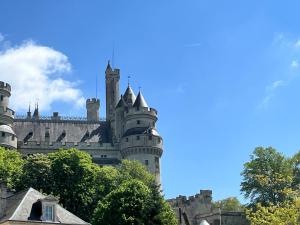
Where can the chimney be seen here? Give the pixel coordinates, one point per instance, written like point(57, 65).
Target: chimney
point(4, 194)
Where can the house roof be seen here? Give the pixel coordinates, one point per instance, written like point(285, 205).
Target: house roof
point(23, 207)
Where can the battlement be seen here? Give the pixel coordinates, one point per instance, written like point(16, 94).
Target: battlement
point(203, 196)
point(144, 110)
point(92, 101)
point(4, 85)
point(7, 112)
point(58, 119)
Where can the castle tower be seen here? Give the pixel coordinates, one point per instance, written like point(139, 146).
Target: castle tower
point(112, 78)
point(8, 137)
point(140, 140)
point(92, 109)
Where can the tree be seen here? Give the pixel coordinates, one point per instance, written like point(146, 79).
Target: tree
point(267, 178)
point(286, 213)
point(231, 204)
point(75, 181)
point(133, 203)
point(132, 169)
point(11, 163)
point(37, 173)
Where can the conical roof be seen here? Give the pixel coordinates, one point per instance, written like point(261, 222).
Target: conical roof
point(121, 102)
point(204, 222)
point(108, 67)
point(140, 101)
point(129, 96)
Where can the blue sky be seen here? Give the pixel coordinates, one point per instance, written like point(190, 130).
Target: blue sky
point(223, 75)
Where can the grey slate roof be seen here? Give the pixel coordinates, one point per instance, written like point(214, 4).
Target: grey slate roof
point(61, 131)
point(129, 96)
point(6, 129)
point(141, 130)
point(121, 102)
point(23, 207)
point(140, 101)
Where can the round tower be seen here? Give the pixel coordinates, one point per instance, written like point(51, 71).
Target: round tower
point(140, 140)
point(92, 109)
point(8, 137)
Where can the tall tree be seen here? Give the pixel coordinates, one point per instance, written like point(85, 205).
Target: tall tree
point(11, 164)
point(37, 173)
point(231, 204)
point(267, 178)
point(133, 203)
point(74, 181)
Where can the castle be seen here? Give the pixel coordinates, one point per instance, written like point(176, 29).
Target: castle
point(128, 132)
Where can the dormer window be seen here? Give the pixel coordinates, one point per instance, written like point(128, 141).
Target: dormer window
point(49, 213)
point(49, 208)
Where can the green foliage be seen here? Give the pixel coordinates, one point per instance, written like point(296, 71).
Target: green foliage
point(74, 181)
point(131, 169)
point(286, 213)
point(128, 191)
point(231, 204)
point(11, 164)
point(267, 178)
point(133, 203)
point(37, 173)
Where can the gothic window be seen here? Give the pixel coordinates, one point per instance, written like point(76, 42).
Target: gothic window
point(13, 138)
point(137, 137)
point(3, 134)
point(150, 137)
point(138, 122)
point(1, 98)
point(126, 139)
point(146, 162)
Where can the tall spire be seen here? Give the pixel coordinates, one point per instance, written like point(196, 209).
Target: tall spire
point(108, 67)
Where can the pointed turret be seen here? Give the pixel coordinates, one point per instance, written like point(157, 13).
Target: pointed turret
point(140, 102)
point(36, 113)
point(129, 96)
point(108, 67)
point(121, 102)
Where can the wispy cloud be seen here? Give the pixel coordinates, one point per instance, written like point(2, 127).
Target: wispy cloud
point(1, 37)
point(270, 91)
point(37, 72)
point(192, 45)
point(287, 50)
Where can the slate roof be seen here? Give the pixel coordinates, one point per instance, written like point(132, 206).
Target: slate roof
point(23, 206)
point(121, 103)
point(141, 130)
point(129, 96)
point(140, 101)
point(6, 129)
point(62, 131)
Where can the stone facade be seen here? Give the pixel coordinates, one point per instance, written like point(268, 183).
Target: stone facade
point(128, 132)
point(195, 209)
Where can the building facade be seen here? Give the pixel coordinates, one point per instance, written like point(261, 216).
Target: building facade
point(128, 132)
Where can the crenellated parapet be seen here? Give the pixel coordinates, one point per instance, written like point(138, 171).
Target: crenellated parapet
point(5, 87)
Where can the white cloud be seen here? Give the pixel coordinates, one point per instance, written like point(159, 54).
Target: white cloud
point(270, 92)
point(35, 73)
point(294, 64)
